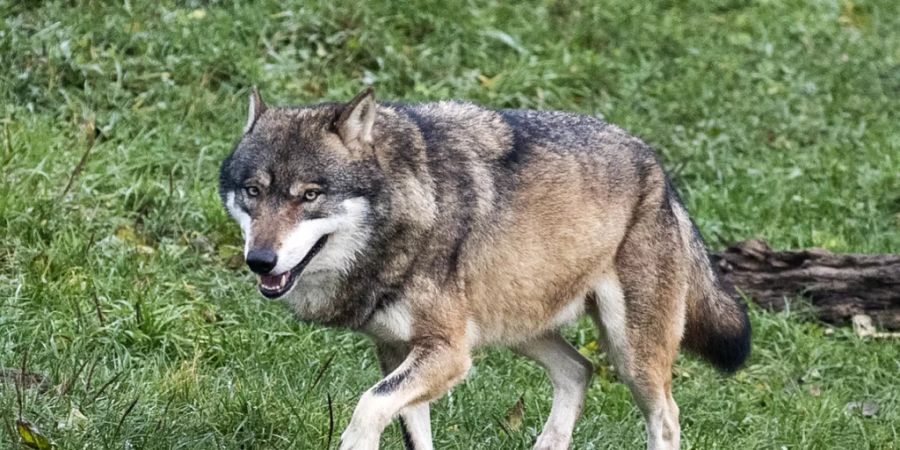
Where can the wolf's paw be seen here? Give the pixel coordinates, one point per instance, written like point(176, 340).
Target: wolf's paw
point(550, 440)
point(358, 440)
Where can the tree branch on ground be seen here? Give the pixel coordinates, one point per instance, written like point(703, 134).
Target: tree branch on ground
point(838, 286)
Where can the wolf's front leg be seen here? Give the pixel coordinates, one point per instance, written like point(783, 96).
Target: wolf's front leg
point(430, 369)
point(415, 421)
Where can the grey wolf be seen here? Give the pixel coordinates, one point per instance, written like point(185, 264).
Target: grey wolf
point(438, 228)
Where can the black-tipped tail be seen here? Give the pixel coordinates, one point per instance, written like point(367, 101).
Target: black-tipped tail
point(718, 330)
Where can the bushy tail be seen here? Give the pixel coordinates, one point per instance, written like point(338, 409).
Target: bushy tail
point(716, 326)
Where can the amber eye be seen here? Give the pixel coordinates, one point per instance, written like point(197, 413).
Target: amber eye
point(311, 195)
point(252, 191)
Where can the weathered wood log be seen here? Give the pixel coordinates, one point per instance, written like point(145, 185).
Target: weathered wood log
point(838, 286)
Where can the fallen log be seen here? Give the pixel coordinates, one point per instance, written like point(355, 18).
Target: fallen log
point(838, 286)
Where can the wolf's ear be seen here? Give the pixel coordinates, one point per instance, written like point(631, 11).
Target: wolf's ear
point(257, 107)
point(354, 124)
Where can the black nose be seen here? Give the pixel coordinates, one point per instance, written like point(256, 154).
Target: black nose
point(262, 261)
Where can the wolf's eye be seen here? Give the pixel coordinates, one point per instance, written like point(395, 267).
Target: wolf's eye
point(252, 191)
point(311, 195)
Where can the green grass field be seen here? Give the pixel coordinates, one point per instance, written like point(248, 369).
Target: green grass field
point(120, 273)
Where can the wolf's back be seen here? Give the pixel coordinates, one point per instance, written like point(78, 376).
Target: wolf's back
point(716, 325)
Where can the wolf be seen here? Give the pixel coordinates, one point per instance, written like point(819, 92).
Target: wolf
point(439, 228)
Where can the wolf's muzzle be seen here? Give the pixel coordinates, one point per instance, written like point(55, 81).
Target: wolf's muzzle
point(262, 261)
point(274, 286)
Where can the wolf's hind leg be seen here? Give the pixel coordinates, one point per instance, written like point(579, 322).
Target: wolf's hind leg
point(415, 424)
point(642, 348)
point(570, 374)
point(415, 421)
point(432, 367)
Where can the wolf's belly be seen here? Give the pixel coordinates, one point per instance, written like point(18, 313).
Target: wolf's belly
point(508, 323)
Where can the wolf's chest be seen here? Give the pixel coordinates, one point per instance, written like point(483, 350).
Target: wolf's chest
point(393, 323)
point(314, 298)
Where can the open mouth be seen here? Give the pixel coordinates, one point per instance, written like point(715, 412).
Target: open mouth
point(274, 286)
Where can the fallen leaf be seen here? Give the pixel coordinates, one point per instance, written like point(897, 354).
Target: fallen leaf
point(590, 347)
point(489, 82)
point(31, 436)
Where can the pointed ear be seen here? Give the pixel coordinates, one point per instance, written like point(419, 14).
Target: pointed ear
point(354, 125)
point(257, 107)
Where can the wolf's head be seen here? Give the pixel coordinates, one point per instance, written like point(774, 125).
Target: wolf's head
point(300, 183)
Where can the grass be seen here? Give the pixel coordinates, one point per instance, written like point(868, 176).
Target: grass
point(777, 120)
